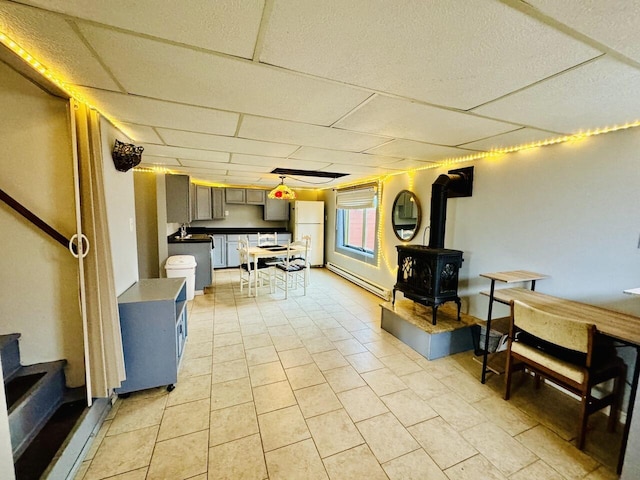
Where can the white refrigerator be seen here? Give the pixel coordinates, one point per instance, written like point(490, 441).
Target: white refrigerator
point(308, 219)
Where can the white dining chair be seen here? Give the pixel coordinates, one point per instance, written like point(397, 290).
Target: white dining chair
point(248, 269)
point(290, 275)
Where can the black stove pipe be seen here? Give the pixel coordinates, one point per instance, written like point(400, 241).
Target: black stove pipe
point(439, 191)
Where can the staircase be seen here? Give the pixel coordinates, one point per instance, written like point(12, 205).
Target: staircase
point(42, 411)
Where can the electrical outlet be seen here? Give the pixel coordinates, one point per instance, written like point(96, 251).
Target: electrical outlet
point(131, 224)
point(226, 213)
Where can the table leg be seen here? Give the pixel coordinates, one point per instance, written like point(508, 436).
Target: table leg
point(627, 424)
point(485, 352)
point(255, 273)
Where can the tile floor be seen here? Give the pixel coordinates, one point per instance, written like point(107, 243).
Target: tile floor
point(311, 387)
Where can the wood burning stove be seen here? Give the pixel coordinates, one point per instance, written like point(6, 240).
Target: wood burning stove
point(429, 274)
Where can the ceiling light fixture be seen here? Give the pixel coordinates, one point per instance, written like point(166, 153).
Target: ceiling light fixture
point(282, 192)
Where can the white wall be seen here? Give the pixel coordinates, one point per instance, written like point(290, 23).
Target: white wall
point(121, 213)
point(6, 458)
point(39, 294)
point(569, 211)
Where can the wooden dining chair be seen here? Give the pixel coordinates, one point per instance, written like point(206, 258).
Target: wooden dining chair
point(289, 274)
point(248, 270)
point(267, 240)
point(562, 349)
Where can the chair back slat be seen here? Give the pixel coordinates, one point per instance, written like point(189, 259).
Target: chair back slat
point(560, 330)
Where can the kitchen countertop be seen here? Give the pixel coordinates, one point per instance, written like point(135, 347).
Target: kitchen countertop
point(202, 234)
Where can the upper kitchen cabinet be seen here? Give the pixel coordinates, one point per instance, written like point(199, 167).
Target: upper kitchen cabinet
point(217, 203)
point(275, 209)
point(255, 197)
point(178, 196)
point(203, 208)
point(235, 195)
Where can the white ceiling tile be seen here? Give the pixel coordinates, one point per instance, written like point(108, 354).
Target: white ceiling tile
point(417, 150)
point(521, 136)
point(203, 170)
point(357, 169)
point(156, 113)
point(150, 160)
point(52, 41)
point(189, 76)
point(139, 133)
point(227, 26)
point(186, 153)
point(337, 156)
point(275, 162)
point(601, 93)
point(614, 24)
point(455, 53)
point(409, 164)
point(393, 117)
point(179, 138)
point(261, 128)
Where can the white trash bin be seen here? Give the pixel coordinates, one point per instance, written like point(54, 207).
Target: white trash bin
point(183, 266)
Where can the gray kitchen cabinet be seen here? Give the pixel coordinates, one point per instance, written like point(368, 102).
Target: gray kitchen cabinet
point(255, 197)
point(219, 251)
point(153, 322)
point(202, 253)
point(178, 198)
point(233, 256)
point(235, 195)
point(203, 208)
point(275, 209)
point(217, 203)
point(283, 238)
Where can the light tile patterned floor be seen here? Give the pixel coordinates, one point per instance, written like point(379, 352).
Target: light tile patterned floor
point(311, 387)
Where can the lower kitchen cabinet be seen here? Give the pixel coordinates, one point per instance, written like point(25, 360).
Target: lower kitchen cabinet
point(219, 251)
point(202, 252)
point(153, 322)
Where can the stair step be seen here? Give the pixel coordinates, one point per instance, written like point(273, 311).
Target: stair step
point(10, 355)
point(37, 403)
point(37, 457)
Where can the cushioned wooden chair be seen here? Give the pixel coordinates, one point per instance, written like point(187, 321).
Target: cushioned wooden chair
point(289, 274)
point(562, 350)
point(303, 260)
point(267, 240)
point(248, 270)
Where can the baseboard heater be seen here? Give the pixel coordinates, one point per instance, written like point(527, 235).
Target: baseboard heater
point(361, 282)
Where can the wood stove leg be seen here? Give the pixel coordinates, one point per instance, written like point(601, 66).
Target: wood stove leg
point(435, 313)
point(459, 303)
point(393, 298)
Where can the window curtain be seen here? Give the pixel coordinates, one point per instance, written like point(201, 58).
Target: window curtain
point(356, 198)
point(104, 358)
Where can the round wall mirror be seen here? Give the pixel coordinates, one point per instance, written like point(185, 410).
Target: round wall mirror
point(406, 216)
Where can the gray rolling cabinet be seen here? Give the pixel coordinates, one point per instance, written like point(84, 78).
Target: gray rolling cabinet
point(153, 321)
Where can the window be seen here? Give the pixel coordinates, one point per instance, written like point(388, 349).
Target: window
point(356, 222)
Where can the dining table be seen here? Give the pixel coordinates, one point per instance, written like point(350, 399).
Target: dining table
point(622, 327)
point(255, 253)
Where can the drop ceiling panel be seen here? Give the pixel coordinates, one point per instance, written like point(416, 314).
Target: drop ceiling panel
point(222, 25)
point(337, 156)
point(521, 136)
point(603, 92)
point(261, 128)
point(151, 160)
point(188, 76)
point(187, 153)
point(409, 164)
point(52, 41)
point(224, 144)
point(417, 150)
point(459, 54)
point(394, 117)
point(140, 133)
point(157, 113)
point(357, 169)
point(615, 24)
point(274, 162)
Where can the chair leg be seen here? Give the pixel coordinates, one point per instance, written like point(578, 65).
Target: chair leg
point(507, 379)
point(618, 390)
point(584, 418)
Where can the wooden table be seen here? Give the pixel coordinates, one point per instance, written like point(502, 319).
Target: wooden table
point(514, 276)
point(620, 326)
point(256, 253)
